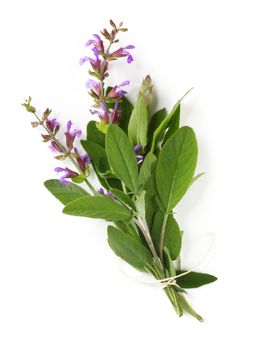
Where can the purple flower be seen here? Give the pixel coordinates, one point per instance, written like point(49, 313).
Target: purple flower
point(139, 157)
point(70, 135)
point(96, 42)
point(102, 113)
point(108, 193)
point(52, 125)
point(94, 86)
point(101, 191)
point(117, 92)
point(122, 52)
point(115, 113)
point(95, 62)
point(82, 161)
point(68, 174)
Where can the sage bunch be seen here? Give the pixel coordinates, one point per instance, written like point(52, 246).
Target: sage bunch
point(144, 162)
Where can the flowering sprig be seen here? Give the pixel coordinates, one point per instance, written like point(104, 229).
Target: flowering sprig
point(52, 127)
point(103, 54)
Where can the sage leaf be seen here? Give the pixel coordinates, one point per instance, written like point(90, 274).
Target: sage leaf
point(94, 134)
point(174, 124)
point(64, 193)
point(97, 154)
point(126, 109)
point(194, 279)
point(156, 120)
point(138, 124)
point(121, 196)
point(172, 237)
point(175, 167)
point(121, 157)
point(102, 207)
point(129, 248)
point(159, 132)
point(147, 168)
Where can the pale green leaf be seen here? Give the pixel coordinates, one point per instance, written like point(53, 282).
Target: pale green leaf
point(138, 124)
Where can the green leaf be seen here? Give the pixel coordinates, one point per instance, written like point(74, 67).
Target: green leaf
point(174, 124)
point(94, 134)
point(156, 120)
point(173, 237)
point(121, 157)
point(126, 109)
point(159, 132)
point(64, 193)
point(138, 124)
point(101, 207)
point(175, 167)
point(97, 154)
point(194, 279)
point(123, 198)
point(129, 248)
point(151, 209)
point(147, 168)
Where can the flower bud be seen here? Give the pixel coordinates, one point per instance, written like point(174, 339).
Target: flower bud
point(46, 114)
point(146, 90)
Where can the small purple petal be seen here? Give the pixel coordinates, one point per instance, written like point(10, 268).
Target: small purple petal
point(89, 42)
point(78, 133)
point(90, 84)
point(96, 52)
point(130, 59)
point(137, 148)
point(101, 190)
point(83, 60)
point(124, 83)
point(97, 37)
point(129, 47)
point(64, 181)
point(59, 170)
point(69, 124)
point(94, 111)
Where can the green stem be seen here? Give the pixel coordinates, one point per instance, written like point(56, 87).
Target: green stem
point(162, 237)
point(170, 292)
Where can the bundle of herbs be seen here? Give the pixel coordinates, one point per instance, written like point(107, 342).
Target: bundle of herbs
point(144, 164)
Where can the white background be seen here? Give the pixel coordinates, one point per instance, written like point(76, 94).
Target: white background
point(60, 285)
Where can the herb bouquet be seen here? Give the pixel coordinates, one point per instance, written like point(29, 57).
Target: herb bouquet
point(144, 163)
